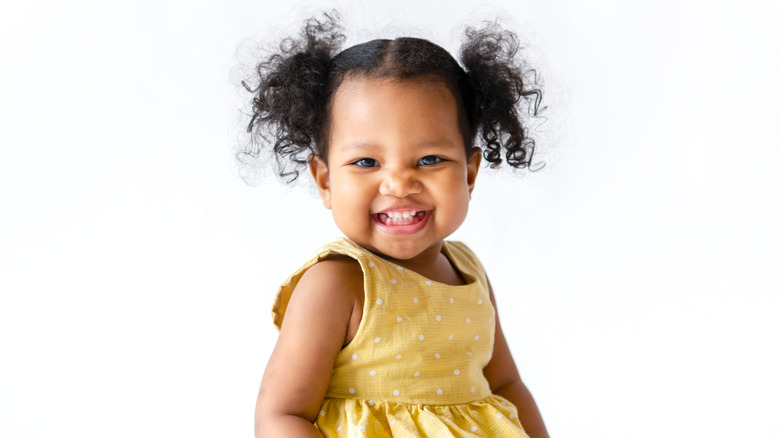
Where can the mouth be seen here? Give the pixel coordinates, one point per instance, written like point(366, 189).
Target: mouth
point(400, 217)
point(402, 221)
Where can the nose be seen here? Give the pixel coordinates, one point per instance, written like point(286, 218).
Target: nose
point(400, 183)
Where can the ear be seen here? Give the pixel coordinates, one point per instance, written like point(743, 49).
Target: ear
point(472, 167)
point(319, 171)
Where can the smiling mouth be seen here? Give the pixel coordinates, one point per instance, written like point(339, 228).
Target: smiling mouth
point(401, 217)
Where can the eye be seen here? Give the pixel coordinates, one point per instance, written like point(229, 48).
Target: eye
point(366, 162)
point(430, 160)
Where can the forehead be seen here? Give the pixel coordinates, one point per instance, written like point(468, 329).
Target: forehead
point(393, 110)
point(354, 86)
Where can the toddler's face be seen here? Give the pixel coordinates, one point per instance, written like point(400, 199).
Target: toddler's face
point(398, 179)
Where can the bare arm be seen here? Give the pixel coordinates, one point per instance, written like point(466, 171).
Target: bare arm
point(314, 329)
point(501, 372)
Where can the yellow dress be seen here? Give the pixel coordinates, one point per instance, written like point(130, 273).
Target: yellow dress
point(414, 368)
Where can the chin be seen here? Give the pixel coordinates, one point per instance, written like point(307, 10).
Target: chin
point(403, 250)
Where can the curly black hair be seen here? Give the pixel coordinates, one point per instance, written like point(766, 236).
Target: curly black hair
point(296, 85)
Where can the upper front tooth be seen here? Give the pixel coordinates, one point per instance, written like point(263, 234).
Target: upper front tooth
point(400, 215)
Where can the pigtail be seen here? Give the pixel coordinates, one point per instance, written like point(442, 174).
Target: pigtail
point(500, 89)
point(289, 100)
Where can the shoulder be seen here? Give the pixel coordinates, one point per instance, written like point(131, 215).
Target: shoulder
point(336, 272)
point(337, 267)
point(328, 296)
point(334, 281)
point(333, 273)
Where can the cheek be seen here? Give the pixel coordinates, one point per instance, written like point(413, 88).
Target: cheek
point(462, 208)
point(349, 198)
point(457, 200)
point(347, 190)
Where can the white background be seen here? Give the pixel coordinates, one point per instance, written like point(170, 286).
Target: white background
point(636, 275)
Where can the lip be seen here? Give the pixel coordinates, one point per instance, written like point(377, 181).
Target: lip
point(382, 222)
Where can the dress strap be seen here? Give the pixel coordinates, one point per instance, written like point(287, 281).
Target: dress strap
point(459, 254)
point(466, 262)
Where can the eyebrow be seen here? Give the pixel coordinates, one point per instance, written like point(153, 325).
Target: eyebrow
point(360, 146)
point(370, 146)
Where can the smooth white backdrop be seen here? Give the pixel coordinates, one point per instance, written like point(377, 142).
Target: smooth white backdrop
point(636, 275)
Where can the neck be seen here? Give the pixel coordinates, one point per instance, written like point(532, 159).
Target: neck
point(421, 262)
point(432, 264)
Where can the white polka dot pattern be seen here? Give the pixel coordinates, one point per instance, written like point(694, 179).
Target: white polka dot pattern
point(412, 339)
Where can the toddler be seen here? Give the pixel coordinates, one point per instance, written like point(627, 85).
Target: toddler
point(392, 331)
